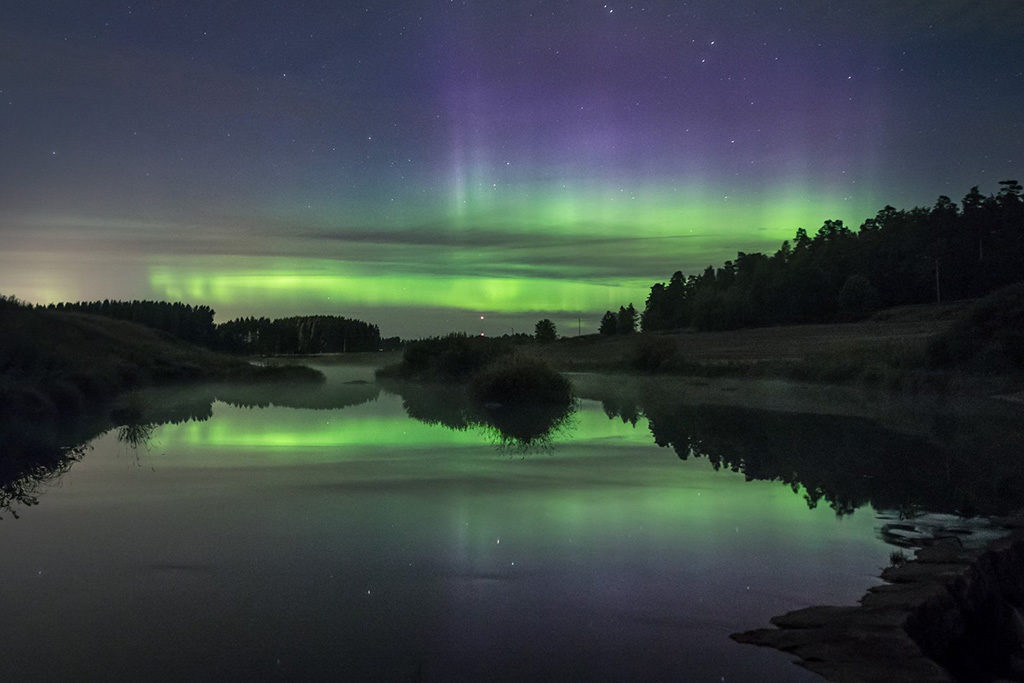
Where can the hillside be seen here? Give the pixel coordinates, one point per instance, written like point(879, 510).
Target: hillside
point(891, 349)
point(56, 363)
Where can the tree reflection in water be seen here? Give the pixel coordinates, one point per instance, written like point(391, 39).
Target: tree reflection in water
point(517, 429)
point(135, 431)
point(34, 456)
point(136, 434)
point(28, 468)
point(926, 462)
point(952, 463)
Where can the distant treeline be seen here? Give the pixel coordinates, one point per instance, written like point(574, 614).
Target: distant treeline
point(898, 257)
point(298, 334)
point(191, 323)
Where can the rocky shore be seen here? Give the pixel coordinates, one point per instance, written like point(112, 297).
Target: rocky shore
point(951, 613)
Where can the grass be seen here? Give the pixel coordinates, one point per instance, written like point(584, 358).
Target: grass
point(893, 350)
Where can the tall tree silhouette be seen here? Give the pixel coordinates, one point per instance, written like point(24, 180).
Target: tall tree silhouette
point(545, 331)
point(608, 323)
point(896, 257)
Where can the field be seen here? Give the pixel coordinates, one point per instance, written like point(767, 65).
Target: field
point(888, 349)
point(900, 329)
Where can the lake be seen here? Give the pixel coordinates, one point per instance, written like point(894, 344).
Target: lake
point(352, 533)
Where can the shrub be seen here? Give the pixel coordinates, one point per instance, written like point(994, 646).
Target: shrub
point(898, 558)
point(517, 380)
point(652, 354)
point(455, 357)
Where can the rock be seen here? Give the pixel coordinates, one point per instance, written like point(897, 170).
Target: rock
point(948, 614)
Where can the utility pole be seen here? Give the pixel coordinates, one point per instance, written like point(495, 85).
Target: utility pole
point(579, 326)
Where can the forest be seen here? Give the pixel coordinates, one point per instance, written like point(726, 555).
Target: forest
point(293, 335)
point(299, 334)
point(925, 254)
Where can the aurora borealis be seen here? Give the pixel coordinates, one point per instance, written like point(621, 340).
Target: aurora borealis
point(421, 164)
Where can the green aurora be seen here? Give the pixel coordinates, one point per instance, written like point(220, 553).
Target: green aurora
point(359, 437)
point(562, 258)
point(279, 435)
point(419, 166)
point(511, 256)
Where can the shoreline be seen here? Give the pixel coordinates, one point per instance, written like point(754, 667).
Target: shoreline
point(58, 367)
point(947, 613)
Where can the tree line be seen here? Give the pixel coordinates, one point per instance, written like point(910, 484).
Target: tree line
point(299, 334)
point(925, 254)
point(191, 323)
point(194, 324)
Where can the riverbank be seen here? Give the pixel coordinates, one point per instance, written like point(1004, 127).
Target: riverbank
point(894, 351)
point(964, 348)
point(951, 606)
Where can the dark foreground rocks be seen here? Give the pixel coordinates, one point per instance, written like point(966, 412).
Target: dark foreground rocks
point(950, 614)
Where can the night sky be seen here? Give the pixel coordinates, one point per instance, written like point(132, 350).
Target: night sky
point(420, 164)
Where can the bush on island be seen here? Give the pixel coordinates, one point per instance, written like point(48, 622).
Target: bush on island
point(518, 380)
point(455, 357)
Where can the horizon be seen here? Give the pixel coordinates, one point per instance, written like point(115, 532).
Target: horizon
point(422, 166)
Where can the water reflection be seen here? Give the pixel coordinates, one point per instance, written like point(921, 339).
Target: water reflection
point(137, 434)
point(194, 403)
point(517, 429)
point(948, 463)
point(378, 525)
point(31, 462)
point(33, 457)
point(935, 462)
point(942, 462)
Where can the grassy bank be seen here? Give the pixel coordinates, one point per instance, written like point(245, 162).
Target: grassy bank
point(55, 364)
point(903, 349)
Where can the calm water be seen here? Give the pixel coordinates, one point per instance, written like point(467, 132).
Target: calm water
point(358, 543)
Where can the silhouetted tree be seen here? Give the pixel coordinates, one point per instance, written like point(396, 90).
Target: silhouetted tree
point(654, 314)
point(896, 257)
point(11, 301)
point(544, 331)
point(298, 335)
point(625, 322)
point(608, 323)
